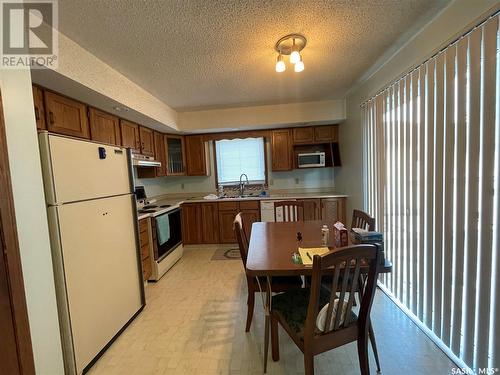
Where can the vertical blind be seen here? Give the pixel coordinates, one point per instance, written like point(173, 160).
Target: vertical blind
point(432, 181)
point(237, 156)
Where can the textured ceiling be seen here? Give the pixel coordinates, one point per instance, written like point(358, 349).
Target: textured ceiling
point(202, 53)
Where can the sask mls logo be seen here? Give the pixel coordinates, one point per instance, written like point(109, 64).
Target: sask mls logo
point(29, 36)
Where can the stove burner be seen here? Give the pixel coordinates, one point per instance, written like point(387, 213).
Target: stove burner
point(149, 206)
point(146, 211)
point(165, 205)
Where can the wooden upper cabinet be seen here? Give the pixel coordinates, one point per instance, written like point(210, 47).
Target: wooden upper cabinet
point(327, 133)
point(195, 156)
point(176, 155)
point(66, 116)
point(130, 135)
point(39, 108)
point(303, 135)
point(160, 154)
point(147, 141)
point(104, 127)
point(281, 150)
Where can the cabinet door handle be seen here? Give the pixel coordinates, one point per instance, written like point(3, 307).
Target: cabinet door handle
point(51, 117)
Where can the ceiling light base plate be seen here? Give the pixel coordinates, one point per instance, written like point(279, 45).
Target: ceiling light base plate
point(284, 45)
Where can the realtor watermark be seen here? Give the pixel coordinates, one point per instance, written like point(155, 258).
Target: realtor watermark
point(481, 370)
point(29, 38)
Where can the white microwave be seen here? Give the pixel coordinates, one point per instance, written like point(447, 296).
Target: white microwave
point(311, 159)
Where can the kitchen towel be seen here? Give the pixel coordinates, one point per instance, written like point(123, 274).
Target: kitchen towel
point(163, 228)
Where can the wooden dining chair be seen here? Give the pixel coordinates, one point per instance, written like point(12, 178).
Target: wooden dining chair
point(292, 210)
point(278, 284)
point(362, 220)
point(319, 320)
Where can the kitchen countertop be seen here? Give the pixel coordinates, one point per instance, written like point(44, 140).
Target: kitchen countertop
point(176, 202)
point(269, 197)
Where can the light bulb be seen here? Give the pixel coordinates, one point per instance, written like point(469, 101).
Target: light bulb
point(299, 66)
point(280, 64)
point(295, 57)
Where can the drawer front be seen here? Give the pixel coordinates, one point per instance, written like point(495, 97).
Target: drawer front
point(249, 205)
point(145, 251)
point(227, 206)
point(146, 268)
point(143, 225)
point(144, 238)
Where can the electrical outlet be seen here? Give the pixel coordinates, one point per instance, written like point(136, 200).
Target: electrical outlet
point(297, 181)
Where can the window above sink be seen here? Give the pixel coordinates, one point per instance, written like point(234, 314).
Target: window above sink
point(235, 157)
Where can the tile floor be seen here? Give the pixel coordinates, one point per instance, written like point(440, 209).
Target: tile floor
point(194, 321)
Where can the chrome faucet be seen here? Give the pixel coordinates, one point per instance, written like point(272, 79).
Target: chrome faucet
point(242, 184)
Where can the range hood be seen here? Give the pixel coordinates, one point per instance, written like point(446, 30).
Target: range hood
point(139, 160)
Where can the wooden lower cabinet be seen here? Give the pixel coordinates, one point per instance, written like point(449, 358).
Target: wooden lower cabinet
point(333, 209)
point(200, 223)
point(209, 222)
point(145, 253)
point(191, 217)
point(226, 232)
point(227, 212)
point(250, 217)
point(212, 222)
point(311, 209)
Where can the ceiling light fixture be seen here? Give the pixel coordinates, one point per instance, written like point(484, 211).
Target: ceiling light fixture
point(290, 45)
point(299, 66)
point(295, 55)
point(280, 64)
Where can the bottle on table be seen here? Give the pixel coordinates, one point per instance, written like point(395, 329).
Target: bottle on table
point(325, 235)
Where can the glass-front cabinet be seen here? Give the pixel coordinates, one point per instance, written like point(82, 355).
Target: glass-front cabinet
point(176, 157)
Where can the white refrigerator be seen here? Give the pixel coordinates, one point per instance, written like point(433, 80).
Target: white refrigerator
point(95, 246)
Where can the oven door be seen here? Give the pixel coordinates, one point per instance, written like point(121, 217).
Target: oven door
point(168, 233)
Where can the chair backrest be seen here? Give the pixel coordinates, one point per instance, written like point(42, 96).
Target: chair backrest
point(362, 220)
point(241, 237)
point(292, 210)
point(344, 266)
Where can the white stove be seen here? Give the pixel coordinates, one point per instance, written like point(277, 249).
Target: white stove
point(165, 234)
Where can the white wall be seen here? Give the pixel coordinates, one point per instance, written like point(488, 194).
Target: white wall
point(458, 17)
point(311, 179)
point(31, 218)
point(263, 116)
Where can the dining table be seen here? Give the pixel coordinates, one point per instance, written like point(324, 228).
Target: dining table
point(271, 252)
